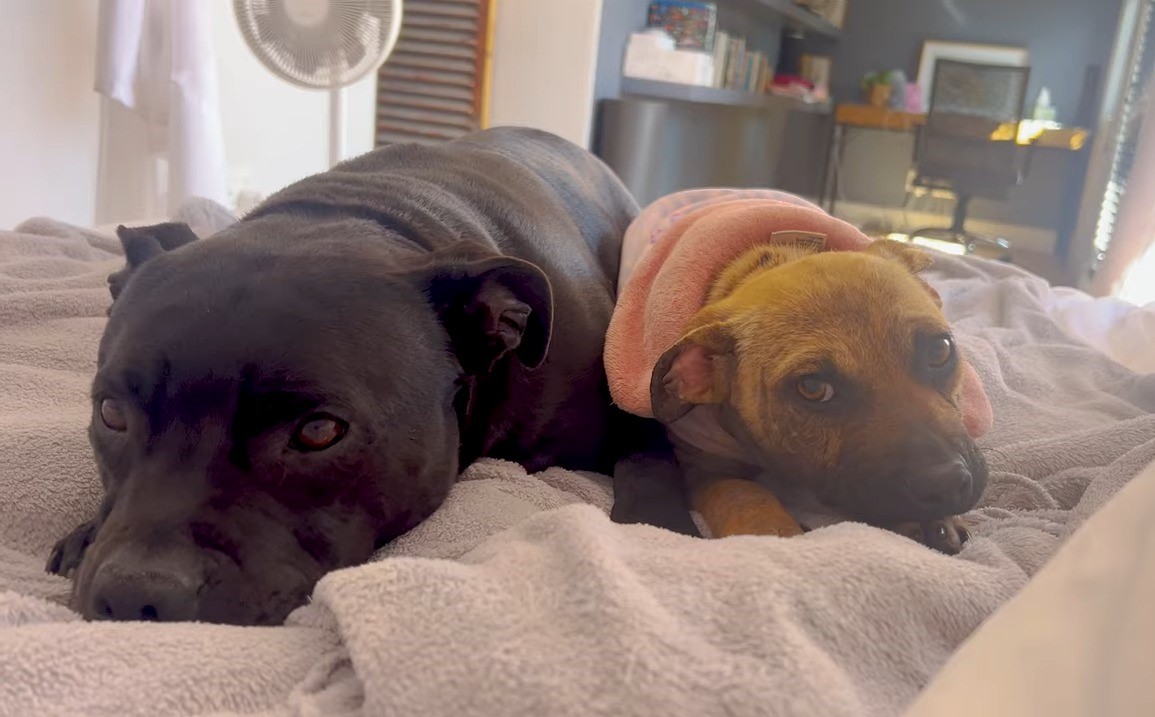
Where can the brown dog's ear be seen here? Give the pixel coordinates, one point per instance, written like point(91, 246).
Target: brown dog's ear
point(491, 305)
point(143, 243)
point(908, 255)
point(694, 371)
point(783, 248)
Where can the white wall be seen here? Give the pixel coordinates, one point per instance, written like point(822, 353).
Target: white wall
point(544, 63)
point(274, 132)
point(48, 115)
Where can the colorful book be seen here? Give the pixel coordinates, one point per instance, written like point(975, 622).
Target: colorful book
point(693, 25)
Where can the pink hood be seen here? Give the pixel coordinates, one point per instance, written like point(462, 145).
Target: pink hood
point(671, 254)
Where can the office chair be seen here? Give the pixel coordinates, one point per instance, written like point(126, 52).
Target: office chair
point(969, 145)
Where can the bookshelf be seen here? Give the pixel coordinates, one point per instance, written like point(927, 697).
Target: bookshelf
point(717, 96)
point(793, 16)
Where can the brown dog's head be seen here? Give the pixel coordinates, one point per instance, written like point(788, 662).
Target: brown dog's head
point(836, 370)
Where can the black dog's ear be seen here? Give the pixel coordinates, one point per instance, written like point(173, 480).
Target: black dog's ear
point(491, 305)
point(143, 243)
point(694, 371)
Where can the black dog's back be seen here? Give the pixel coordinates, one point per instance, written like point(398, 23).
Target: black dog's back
point(521, 193)
point(472, 183)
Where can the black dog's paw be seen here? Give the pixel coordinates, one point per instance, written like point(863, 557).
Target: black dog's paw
point(69, 551)
point(946, 536)
point(649, 489)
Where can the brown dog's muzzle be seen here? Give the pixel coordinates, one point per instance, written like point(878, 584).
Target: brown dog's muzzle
point(927, 477)
point(943, 477)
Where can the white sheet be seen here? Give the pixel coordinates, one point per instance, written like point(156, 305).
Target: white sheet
point(1122, 330)
point(1079, 639)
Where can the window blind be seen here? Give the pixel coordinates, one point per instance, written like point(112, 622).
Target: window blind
point(432, 87)
point(1131, 119)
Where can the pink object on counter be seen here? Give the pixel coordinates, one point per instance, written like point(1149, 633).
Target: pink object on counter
point(914, 99)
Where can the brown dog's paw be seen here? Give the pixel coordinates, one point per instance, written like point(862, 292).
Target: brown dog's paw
point(783, 527)
point(756, 521)
point(946, 536)
point(741, 507)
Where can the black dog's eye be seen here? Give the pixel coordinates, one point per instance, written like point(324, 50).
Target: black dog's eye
point(940, 351)
point(113, 415)
point(815, 389)
point(318, 432)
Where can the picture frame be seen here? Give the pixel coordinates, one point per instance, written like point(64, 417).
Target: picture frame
point(935, 50)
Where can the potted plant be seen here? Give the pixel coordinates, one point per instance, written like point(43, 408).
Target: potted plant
point(876, 86)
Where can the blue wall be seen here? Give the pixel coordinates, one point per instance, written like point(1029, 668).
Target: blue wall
point(1064, 37)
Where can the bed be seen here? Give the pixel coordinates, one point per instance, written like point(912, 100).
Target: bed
point(520, 597)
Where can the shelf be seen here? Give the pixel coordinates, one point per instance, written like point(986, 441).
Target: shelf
point(793, 16)
point(716, 96)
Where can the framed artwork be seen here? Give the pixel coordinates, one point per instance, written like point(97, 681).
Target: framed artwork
point(935, 50)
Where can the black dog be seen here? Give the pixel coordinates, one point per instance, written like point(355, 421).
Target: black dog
point(279, 400)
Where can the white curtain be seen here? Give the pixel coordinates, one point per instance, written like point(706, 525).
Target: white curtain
point(1129, 267)
point(160, 137)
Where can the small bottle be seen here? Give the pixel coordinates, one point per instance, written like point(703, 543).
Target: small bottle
point(1044, 110)
point(897, 90)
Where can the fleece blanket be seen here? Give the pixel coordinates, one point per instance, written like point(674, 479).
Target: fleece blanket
point(675, 249)
point(520, 597)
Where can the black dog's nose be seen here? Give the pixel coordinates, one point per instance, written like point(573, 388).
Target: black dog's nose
point(947, 485)
point(160, 595)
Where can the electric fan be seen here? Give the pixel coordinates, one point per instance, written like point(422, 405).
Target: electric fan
point(321, 45)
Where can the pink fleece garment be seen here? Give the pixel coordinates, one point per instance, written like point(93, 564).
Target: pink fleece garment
point(670, 256)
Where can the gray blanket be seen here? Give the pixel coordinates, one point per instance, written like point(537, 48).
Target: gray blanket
point(520, 597)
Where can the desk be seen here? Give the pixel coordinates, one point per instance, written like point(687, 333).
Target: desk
point(1031, 133)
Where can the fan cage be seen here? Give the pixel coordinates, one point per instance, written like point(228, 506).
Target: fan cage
point(344, 42)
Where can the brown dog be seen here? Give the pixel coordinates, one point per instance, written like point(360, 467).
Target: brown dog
point(826, 381)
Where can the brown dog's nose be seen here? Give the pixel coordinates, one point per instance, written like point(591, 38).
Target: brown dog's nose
point(947, 486)
point(121, 591)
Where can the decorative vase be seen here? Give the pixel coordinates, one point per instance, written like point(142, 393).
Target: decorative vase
point(878, 95)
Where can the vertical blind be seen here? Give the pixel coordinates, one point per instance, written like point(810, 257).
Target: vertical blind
point(433, 86)
point(1131, 119)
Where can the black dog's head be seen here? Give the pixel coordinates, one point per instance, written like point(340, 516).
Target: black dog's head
point(266, 412)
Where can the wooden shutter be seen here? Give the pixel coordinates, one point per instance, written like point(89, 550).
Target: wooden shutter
point(433, 87)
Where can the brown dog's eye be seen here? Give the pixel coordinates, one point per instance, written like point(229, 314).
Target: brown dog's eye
point(940, 351)
point(113, 415)
point(815, 389)
point(319, 432)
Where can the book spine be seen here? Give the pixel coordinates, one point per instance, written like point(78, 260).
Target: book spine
point(721, 48)
point(740, 80)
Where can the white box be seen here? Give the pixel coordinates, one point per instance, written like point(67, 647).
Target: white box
point(648, 57)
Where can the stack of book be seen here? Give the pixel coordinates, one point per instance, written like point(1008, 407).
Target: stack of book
point(737, 67)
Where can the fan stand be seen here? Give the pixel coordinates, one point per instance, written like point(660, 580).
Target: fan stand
point(336, 125)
